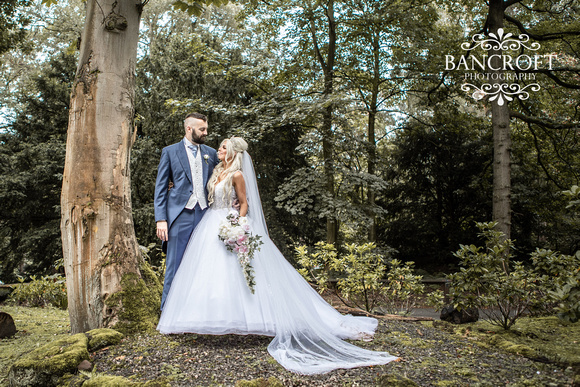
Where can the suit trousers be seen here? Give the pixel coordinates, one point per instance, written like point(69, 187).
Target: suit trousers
point(178, 237)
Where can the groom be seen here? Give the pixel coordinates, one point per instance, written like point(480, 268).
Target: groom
point(187, 165)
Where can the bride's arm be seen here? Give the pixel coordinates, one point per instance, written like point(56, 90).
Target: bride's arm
point(240, 187)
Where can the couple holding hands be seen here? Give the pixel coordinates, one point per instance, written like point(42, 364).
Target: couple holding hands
point(218, 280)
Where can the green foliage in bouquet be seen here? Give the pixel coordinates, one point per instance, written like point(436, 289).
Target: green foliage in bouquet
point(48, 290)
point(360, 277)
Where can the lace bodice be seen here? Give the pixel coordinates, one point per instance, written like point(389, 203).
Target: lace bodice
point(221, 200)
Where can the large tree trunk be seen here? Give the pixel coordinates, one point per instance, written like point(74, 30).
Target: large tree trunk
point(99, 242)
point(502, 143)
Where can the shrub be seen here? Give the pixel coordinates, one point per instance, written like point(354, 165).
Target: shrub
point(364, 278)
point(568, 295)
point(402, 287)
point(48, 290)
point(554, 271)
point(489, 280)
point(316, 266)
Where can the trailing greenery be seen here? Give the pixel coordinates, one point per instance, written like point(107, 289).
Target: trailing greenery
point(361, 277)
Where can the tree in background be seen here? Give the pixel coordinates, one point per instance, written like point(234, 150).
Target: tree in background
point(32, 154)
point(12, 24)
point(221, 68)
point(438, 186)
point(547, 28)
point(378, 65)
point(256, 79)
point(312, 36)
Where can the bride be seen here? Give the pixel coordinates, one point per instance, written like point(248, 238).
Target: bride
point(210, 294)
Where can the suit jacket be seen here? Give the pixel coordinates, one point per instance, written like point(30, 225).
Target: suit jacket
point(174, 167)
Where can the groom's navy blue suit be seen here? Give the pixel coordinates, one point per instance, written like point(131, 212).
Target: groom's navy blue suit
point(170, 203)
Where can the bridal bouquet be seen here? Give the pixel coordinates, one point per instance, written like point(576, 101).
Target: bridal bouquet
point(236, 234)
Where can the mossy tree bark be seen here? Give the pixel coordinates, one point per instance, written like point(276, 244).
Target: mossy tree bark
point(99, 242)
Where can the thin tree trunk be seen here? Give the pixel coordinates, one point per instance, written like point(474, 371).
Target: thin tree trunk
point(501, 135)
point(372, 147)
point(327, 66)
point(99, 243)
point(328, 141)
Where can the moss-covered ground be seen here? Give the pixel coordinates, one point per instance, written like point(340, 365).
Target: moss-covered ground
point(36, 327)
point(536, 352)
point(545, 339)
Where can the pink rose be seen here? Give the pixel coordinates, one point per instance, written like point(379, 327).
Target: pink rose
point(246, 227)
point(243, 249)
point(242, 238)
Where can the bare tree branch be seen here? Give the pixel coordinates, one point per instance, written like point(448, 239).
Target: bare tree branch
point(509, 3)
point(560, 82)
point(551, 36)
point(542, 122)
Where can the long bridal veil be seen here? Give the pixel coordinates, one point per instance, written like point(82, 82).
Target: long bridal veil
point(309, 332)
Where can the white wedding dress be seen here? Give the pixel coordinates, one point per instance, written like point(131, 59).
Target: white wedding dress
point(209, 295)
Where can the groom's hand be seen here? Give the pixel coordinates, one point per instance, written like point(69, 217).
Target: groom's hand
point(162, 230)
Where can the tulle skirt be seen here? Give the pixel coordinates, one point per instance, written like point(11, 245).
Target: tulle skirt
point(209, 295)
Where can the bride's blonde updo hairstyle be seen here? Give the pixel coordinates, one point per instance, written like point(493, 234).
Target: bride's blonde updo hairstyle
point(235, 146)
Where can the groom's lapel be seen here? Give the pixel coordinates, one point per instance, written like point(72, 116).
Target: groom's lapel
point(182, 156)
point(204, 164)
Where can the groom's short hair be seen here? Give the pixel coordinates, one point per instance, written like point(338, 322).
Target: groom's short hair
point(198, 116)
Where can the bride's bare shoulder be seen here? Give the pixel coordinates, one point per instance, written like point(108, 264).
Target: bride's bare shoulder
point(238, 175)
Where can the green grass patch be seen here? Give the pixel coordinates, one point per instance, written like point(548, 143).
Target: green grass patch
point(36, 327)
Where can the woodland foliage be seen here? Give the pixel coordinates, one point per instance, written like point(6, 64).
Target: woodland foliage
point(505, 290)
point(421, 179)
point(362, 276)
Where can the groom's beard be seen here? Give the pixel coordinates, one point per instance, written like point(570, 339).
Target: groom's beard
point(198, 140)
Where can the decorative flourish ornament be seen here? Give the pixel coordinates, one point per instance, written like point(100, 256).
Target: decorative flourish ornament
point(500, 42)
point(500, 88)
point(500, 91)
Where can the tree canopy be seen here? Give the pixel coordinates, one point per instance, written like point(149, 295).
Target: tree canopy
point(354, 124)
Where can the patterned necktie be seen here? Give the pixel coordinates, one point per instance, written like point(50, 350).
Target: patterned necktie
point(193, 149)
